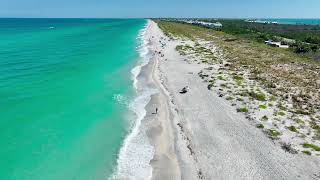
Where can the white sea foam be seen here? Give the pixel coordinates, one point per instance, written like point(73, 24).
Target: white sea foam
point(136, 152)
point(144, 58)
point(121, 99)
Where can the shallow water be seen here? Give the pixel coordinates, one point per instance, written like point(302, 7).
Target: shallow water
point(295, 21)
point(65, 88)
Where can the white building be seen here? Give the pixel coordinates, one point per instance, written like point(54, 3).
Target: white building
point(216, 25)
point(276, 44)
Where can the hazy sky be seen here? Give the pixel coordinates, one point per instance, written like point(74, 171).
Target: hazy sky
point(161, 8)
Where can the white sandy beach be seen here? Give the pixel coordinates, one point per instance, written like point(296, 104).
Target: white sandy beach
point(198, 135)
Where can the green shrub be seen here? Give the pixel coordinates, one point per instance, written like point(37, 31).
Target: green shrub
point(316, 127)
point(239, 99)
point(281, 107)
point(274, 133)
point(299, 121)
point(304, 48)
point(243, 109)
point(260, 126)
point(221, 78)
point(179, 47)
point(307, 152)
point(258, 96)
point(238, 79)
point(262, 106)
point(293, 129)
point(265, 118)
point(312, 146)
point(229, 98)
point(273, 98)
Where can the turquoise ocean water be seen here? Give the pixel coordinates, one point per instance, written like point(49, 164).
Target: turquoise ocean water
point(65, 87)
point(294, 21)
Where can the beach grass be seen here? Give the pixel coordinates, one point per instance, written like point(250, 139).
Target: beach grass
point(312, 146)
point(274, 133)
point(281, 81)
point(243, 109)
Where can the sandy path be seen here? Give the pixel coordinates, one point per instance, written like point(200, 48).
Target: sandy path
point(223, 144)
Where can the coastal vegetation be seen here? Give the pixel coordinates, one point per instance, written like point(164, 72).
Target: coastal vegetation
point(304, 39)
point(276, 89)
point(243, 109)
point(312, 146)
point(273, 133)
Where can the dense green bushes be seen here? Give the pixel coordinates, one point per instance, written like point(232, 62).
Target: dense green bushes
point(302, 38)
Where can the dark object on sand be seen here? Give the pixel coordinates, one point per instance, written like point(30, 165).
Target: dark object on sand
point(156, 111)
point(184, 90)
point(288, 148)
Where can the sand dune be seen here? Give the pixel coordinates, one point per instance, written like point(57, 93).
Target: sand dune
point(198, 135)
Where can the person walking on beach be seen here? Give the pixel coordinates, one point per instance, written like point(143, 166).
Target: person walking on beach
point(156, 110)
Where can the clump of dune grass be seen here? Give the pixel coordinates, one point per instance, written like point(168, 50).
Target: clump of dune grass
point(238, 79)
point(274, 133)
point(307, 152)
point(316, 129)
point(312, 146)
point(230, 98)
point(258, 96)
point(299, 121)
point(293, 129)
point(260, 126)
point(221, 78)
point(243, 109)
point(264, 118)
point(262, 106)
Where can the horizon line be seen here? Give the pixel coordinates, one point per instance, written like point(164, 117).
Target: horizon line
point(160, 18)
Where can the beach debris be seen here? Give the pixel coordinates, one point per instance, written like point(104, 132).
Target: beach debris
point(316, 176)
point(181, 127)
point(200, 175)
point(210, 86)
point(288, 148)
point(156, 112)
point(184, 90)
point(190, 149)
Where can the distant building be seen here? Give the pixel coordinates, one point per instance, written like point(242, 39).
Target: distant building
point(216, 25)
point(260, 21)
point(276, 44)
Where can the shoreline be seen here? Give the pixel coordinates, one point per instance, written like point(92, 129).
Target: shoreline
point(172, 158)
point(161, 132)
point(196, 135)
point(136, 151)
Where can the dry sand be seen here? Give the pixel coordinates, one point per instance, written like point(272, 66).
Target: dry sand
point(198, 135)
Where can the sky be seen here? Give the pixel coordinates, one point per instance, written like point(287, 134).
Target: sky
point(161, 8)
